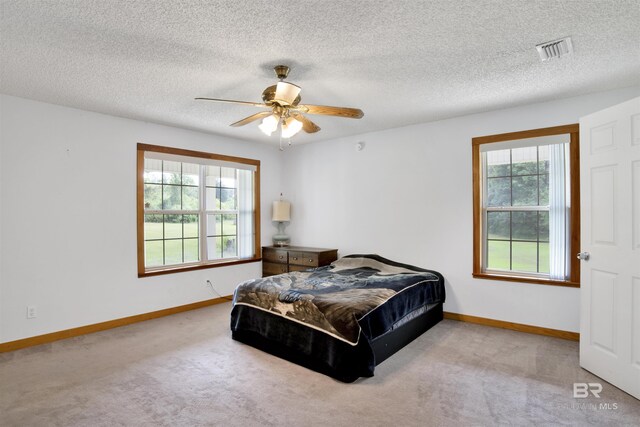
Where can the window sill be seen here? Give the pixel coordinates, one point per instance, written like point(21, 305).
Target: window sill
point(522, 279)
point(172, 270)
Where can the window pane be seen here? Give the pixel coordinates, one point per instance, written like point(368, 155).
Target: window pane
point(171, 172)
point(214, 247)
point(524, 161)
point(525, 190)
point(228, 177)
point(153, 228)
point(171, 197)
point(213, 198)
point(228, 199)
point(499, 190)
point(229, 225)
point(173, 226)
point(544, 258)
point(499, 163)
point(544, 190)
point(214, 225)
point(153, 253)
point(516, 240)
point(524, 225)
point(191, 250)
point(229, 247)
point(213, 176)
point(498, 224)
point(190, 174)
point(543, 159)
point(525, 256)
point(190, 225)
point(543, 226)
point(498, 255)
point(173, 251)
point(190, 198)
point(153, 196)
point(153, 171)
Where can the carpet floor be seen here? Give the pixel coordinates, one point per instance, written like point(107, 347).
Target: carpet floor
point(185, 370)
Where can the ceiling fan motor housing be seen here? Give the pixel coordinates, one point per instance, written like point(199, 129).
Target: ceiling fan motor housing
point(282, 71)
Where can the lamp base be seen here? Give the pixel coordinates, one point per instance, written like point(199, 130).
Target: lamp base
point(281, 240)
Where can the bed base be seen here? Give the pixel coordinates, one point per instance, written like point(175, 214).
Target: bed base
point(389, 343)
point(383, 347)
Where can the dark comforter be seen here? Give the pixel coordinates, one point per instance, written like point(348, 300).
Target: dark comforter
point(332, 313)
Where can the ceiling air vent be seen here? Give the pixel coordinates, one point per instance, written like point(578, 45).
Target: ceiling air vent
point(555, 49)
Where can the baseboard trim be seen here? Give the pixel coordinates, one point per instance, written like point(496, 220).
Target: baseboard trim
point(116, 323)
point(102, 326)
point(572, 336)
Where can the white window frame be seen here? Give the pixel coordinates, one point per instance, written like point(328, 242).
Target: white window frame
point(486, 209)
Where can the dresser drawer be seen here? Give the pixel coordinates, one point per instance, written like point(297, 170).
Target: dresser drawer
point(271, 268)
point(308, 259)
point(275, 255)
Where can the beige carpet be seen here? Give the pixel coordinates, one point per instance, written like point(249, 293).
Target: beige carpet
point(185, 370)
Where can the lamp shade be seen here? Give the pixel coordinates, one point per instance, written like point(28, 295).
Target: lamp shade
point(281, 211)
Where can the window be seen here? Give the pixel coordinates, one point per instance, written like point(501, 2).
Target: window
point(526, 206)
point(195, 210)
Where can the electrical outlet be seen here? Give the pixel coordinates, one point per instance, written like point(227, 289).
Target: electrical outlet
point(32, 312)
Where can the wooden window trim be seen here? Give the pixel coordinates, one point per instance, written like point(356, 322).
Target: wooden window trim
point(141, 148)
point(574, 175)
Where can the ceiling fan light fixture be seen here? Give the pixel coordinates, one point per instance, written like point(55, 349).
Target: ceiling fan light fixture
point(286, 93)
point(290, 127)
point(269, 124)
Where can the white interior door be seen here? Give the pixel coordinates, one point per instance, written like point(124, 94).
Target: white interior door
point(610, 234)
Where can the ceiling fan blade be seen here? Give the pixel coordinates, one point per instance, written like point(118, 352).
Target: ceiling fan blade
point(307, 125)
point(253, 104)
point(352, 113)
point(251, 118)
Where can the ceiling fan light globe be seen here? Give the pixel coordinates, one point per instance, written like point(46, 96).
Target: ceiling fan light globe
point(291, 127)
point(269, 124)
point(286, 93)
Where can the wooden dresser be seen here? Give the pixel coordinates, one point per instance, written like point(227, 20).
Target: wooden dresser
point(283, 259)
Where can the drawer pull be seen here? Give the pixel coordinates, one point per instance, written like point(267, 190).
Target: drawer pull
point(295, 259)
point(280, 257)
point(310, 259)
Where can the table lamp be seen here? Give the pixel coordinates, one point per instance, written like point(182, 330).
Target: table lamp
point(282, 215)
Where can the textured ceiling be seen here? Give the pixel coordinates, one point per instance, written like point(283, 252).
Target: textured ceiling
point(401, 62)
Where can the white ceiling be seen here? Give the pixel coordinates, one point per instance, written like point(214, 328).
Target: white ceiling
point(401, 62)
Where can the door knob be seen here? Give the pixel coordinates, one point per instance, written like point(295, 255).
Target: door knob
point(584, 256)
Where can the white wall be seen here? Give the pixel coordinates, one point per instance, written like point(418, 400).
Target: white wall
point(408, 196)
point(71, 250)
point(68, 218)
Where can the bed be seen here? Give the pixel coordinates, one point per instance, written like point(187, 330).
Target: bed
point(342, 319)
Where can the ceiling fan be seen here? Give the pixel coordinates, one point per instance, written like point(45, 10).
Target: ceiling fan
point(284, 108)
